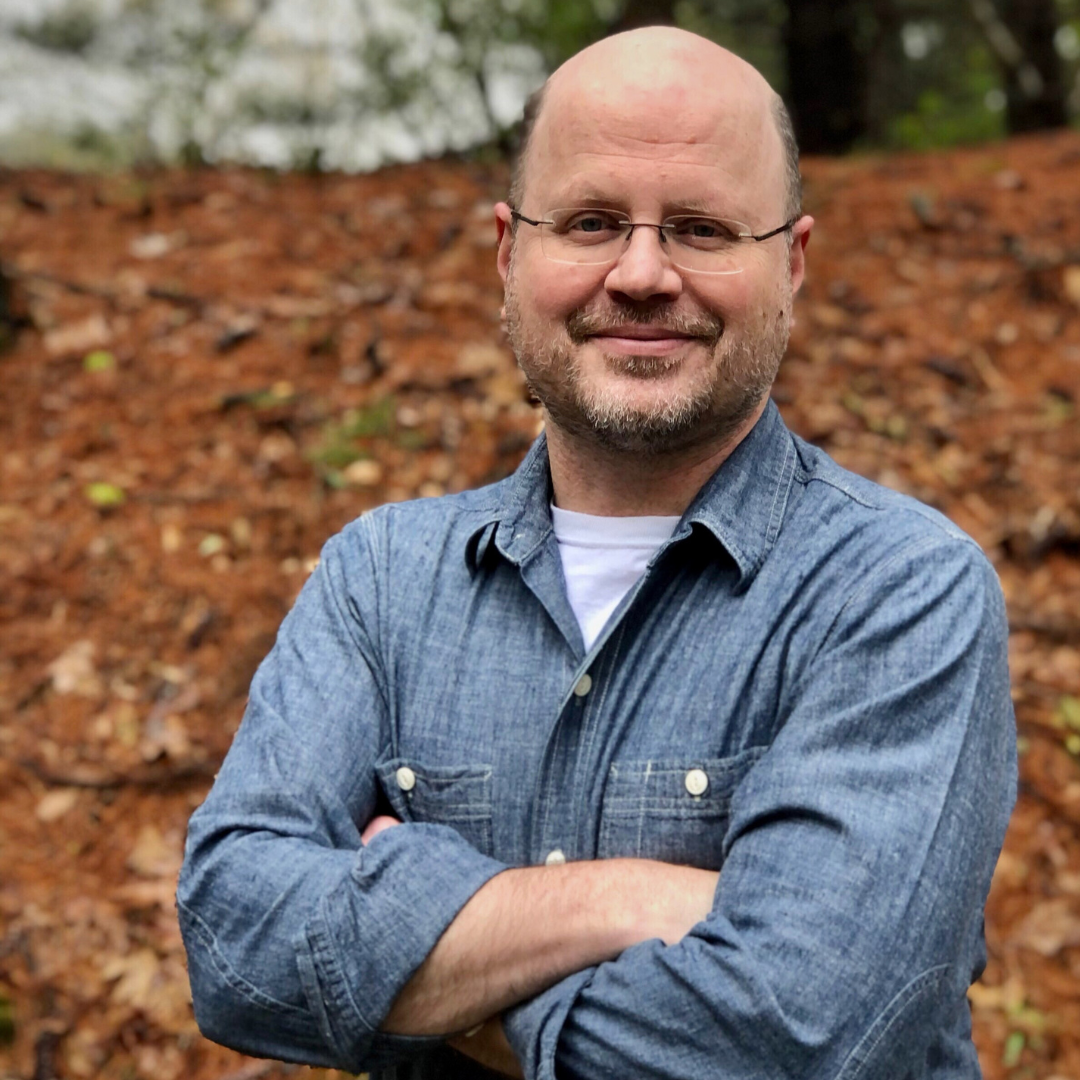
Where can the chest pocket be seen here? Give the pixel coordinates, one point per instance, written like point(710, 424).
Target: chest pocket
point(672, 811)
point(454, 795)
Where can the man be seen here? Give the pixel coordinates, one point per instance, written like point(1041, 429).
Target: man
point(680, 753)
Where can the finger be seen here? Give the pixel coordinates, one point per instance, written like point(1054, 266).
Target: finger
point(376, 825)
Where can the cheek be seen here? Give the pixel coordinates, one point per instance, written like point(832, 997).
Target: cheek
point(749, 299)
point(555, 291)
point(729, 296)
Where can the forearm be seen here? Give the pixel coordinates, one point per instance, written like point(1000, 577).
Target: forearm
point(527, 929)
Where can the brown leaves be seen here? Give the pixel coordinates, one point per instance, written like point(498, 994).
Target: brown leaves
point(73, 671)
point(285, 357)
point(1050, 927)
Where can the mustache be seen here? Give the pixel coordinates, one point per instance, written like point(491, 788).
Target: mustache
point(584, 322)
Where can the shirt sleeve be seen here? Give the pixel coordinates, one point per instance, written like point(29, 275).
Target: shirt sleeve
point(847, 922)
point(299, 939)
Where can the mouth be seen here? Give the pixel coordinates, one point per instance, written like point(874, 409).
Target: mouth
point(642, 340)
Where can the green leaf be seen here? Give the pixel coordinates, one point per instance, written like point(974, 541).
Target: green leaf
point(1068, 708)
point(104, 496)
point(1014, 1047)
point(211, 544)
point(99, 360)
point(376, 419)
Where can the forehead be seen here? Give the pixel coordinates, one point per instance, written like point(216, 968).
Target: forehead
point(658, 142)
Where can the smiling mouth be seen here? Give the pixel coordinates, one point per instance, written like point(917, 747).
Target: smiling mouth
point(642, 340)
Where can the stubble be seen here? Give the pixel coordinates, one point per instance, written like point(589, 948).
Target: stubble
point(708, 408)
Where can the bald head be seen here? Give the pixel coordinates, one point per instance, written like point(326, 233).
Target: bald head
point(688, 87)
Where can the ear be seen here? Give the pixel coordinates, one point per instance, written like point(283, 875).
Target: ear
point(504, 225)
point(800, 237)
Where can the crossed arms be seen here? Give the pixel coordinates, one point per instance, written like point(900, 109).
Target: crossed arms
point(527, 929)
point(838, 943)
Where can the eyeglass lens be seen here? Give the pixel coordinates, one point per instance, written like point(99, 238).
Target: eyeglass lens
point(692, 242)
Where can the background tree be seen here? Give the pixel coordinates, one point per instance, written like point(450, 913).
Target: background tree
point(828, 43)
point(1022, 33)
point(352, 84)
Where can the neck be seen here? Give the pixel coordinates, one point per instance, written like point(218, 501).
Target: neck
point(594, 479)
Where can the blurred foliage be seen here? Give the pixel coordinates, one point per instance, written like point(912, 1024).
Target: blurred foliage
point(350, 84)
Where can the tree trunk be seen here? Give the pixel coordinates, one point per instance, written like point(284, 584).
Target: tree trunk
point(828, 76)
point(10, 319)
point(1035, 93)
point(638, 13)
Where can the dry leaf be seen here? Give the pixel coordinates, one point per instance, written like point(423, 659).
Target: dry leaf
point(1072, 283)
point(479, 359)
point(56, 804)
point(155, 855)
point(73, 671)
point(140, 894)
point(80, 337)
point(363, 473)
point(1050, 926)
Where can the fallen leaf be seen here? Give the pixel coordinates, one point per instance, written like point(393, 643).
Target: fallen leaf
point(1072, 283)
point(73, 671)
point(155, 245)
point(56, 804)
point(1050, 926)
point(99, 360)
point(154, 855)
point(105, 496)
point(79, 337)
point(363, 473)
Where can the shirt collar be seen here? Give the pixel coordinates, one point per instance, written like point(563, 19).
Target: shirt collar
point(742, 504)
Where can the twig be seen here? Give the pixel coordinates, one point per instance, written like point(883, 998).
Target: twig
point(1056, 630)
point(95, 777)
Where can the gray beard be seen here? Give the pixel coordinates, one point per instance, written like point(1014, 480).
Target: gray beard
point(743, 370)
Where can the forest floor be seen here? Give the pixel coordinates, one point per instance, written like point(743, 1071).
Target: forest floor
point(214, 371)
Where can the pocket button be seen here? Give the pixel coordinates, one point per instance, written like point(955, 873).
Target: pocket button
point(406, 778)
point(555, 858)
point(697, 783)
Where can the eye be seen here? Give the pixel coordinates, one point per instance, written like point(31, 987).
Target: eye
point(587, 225)
point(704, 229)
point(590, 224)
point(704, 232)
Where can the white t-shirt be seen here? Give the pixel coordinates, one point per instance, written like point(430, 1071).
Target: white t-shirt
point(602, 559)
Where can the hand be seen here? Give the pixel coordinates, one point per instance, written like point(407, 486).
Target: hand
point(375, 826)
point(490, 1047)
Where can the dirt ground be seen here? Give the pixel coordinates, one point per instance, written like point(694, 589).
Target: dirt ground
point(207, 373)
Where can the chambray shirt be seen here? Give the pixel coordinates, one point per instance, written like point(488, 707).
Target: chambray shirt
point(807, 690)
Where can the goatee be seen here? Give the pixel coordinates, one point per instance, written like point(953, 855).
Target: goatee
point(709, 407)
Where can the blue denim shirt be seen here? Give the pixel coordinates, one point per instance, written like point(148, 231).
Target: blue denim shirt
point(830, 654)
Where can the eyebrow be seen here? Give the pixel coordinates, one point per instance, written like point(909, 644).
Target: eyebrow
point(591, 197)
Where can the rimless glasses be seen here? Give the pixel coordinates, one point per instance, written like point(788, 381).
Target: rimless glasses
point(591, 237)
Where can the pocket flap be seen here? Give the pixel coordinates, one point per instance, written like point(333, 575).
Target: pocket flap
point(687, 786)
point(436, 793)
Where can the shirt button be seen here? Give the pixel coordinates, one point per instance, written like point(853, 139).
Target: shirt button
point(406, 778)
point(696, 782)
point(555, 858)
point(583, 685)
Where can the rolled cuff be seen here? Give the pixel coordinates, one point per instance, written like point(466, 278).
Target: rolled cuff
point(372, 931)
point(532, 1028)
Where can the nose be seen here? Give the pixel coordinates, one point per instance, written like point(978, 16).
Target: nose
point(644, 269)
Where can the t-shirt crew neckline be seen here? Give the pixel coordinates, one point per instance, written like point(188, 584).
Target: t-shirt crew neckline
point(602, 560)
